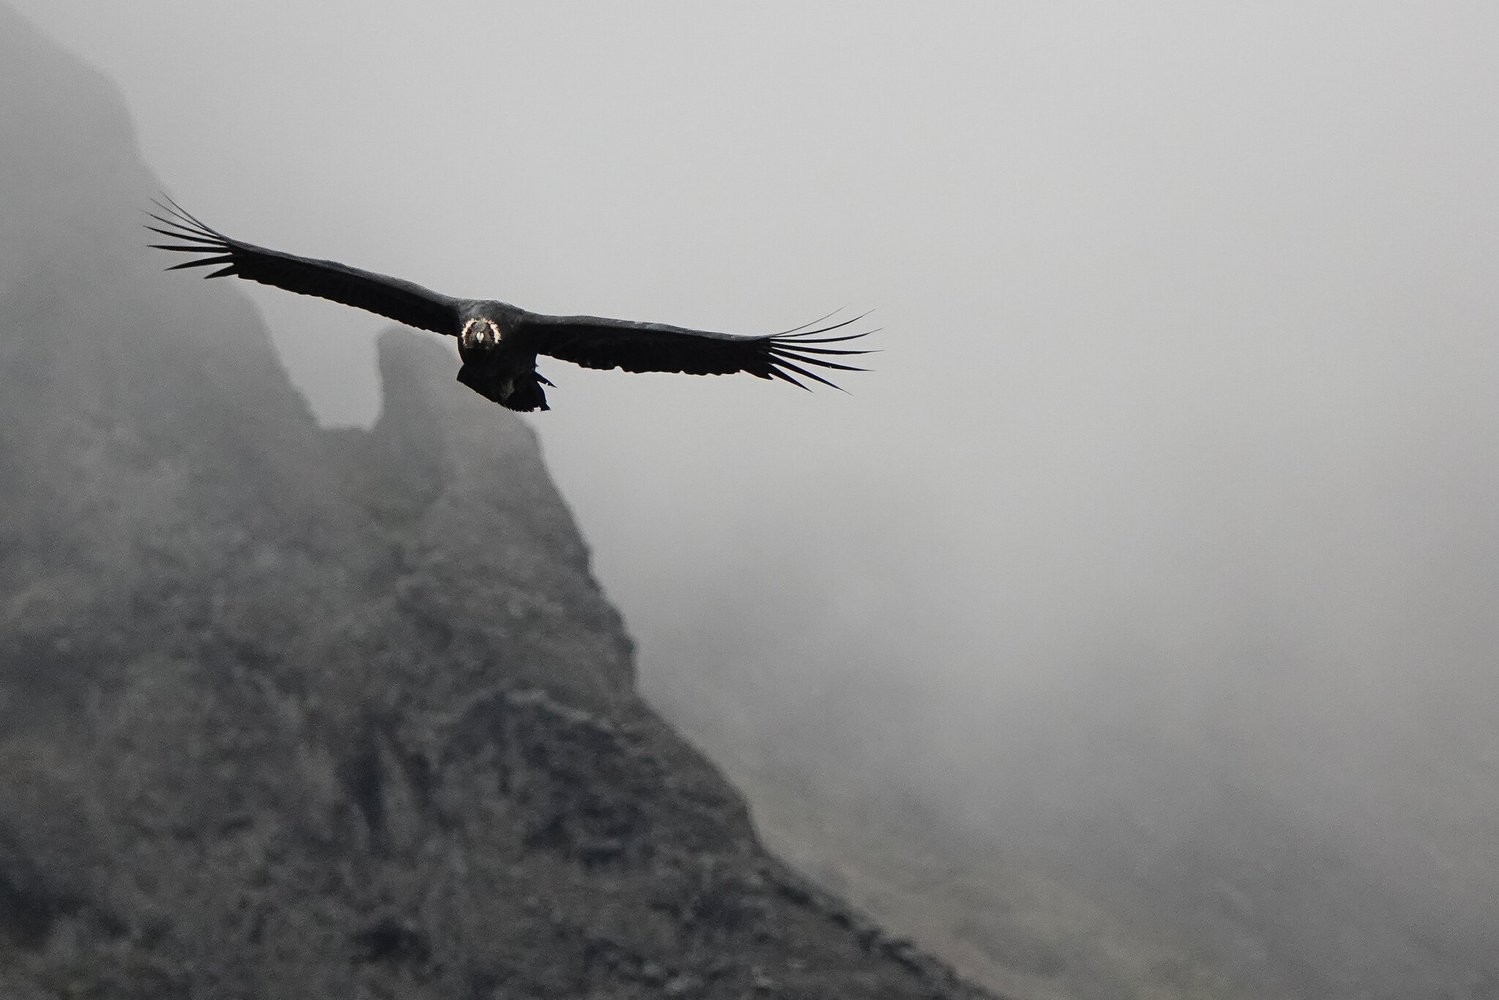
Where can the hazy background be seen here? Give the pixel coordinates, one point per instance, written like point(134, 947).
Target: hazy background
point(1183, 436)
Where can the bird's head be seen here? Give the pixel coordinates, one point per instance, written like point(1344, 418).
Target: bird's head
point(480, 332)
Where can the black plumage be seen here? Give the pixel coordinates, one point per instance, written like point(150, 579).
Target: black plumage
point(499, 342)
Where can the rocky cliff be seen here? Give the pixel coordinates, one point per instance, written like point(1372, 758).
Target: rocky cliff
point(287, 711)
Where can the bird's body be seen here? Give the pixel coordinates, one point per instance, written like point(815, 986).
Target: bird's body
point(494, 365)
point(499, 342)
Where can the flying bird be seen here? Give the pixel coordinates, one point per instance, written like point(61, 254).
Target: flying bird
point(498, 342)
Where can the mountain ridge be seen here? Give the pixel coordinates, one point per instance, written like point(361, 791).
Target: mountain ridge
point(295, 711)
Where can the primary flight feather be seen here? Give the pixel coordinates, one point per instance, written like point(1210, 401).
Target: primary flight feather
point(499, 342)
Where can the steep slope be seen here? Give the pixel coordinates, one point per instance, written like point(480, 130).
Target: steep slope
point(291, 712)
point(1243, 896)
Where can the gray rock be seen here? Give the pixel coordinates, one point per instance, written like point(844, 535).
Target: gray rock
point(295, 712)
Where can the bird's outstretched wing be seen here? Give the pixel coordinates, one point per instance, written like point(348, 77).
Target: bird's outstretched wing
point(393, 298)
point(656, 347)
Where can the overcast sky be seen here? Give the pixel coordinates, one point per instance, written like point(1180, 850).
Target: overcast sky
point(1186, 398)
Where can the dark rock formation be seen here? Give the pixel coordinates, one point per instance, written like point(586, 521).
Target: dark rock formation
point(288, 712)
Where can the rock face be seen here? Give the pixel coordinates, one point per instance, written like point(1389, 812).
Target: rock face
point(295, 712)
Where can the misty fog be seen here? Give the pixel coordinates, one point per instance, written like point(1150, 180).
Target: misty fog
point(1176, 469)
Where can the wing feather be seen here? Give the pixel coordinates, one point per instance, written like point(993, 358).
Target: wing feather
point(393, 298)
point(595, 342)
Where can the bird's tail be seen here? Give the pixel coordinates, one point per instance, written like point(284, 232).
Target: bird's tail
point(523, 392)
point(527, 394)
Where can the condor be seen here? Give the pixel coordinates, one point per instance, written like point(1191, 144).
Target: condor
point(499, 342)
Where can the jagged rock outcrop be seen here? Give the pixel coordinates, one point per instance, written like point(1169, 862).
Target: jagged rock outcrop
point(289, 712)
